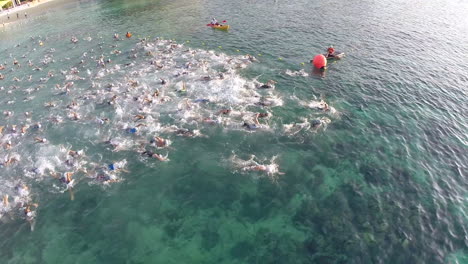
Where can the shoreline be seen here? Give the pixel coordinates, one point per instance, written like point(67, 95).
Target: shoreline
point(23, 12)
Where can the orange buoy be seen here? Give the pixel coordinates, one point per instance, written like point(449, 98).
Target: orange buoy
point(320, 61)
point(128, 35)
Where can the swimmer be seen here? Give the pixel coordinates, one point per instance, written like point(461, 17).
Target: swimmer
point(40, 140)
point(251, 58)
point(69, 84)
point(225, 111)
point(155, 155)
point(75, 154)
point(56, 119)
point(116, 36)
point(74, 116)
point(156, 93)
point(106, 178)
point(250, 126)
point(251, 164)
point(9, 161)
point(128, 35)
point(268, 85)
point(320, 105)
point(31, 214)
point(259, 115)
point(37, 126)
point(112, 100)
point(118, 166)
point(74, 39)
point(160, 142)
point(132, 130)
point(139, 117)
point(73, 105)
point(265, 168)
point(133, 83)
point(102, 121)
point(211, 121)
point(7, 145)
point(5, 200)
point(28, 212)
point(66, 178)
point(185, 133)
point(317, 123)
point(22, 190)
point(50, 104)
point(270, 101)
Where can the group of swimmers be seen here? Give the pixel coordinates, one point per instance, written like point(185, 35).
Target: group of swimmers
point(171, 92)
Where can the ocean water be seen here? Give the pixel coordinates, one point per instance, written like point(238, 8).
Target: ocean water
point(381, 177)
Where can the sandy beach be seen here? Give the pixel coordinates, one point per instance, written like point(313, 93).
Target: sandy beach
point(25, 11)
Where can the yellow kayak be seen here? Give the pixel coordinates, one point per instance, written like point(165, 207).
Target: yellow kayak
point(222, 27)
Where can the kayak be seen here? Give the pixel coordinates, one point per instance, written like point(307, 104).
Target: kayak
point(338, 56)
point(222, 27)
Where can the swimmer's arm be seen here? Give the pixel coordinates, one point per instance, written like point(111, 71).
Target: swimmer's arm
point(256, 119)
point(5, 200)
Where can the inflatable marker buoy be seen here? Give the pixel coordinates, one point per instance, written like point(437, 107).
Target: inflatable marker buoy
point(319, 61)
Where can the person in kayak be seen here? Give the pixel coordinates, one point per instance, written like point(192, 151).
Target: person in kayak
point(330, 52)
point(214, 21)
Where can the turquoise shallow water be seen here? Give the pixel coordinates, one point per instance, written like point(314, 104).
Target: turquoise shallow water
point(384, 182)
